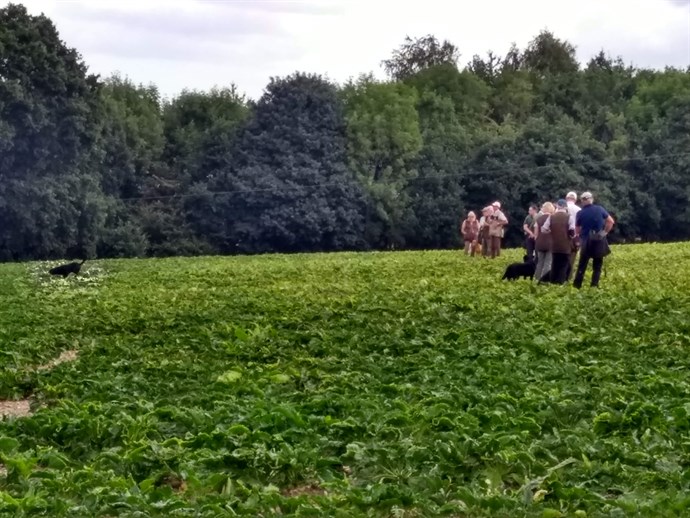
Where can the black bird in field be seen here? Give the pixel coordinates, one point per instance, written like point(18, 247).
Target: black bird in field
point(66, 269)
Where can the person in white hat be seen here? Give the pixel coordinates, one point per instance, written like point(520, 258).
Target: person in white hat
point(497, 221)
point(573, 209)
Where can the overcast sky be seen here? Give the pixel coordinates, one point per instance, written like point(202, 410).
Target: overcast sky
point(199, 44)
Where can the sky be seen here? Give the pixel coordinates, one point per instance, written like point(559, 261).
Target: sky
point(199, 44)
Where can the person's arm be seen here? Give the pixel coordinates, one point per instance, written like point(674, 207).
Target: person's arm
point(571, 221)
point(578, 227)
point(528, 232)
point(546, 227)
point(608, 221)
point(526, 227)
point(571, 224)
point(608, 224)
point(536, 230)
point(463, 227)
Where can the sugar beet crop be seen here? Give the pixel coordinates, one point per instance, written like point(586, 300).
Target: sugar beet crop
point(386, 384)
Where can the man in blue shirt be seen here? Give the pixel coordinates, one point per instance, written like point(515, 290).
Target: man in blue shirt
point(591, 222)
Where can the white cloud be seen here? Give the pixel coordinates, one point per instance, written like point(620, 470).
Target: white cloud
point(202, 43)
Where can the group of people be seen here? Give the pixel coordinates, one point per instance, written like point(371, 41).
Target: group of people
point(485, 234)
point(554, 236)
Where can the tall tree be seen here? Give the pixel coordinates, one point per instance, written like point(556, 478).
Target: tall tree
point(289, 188)
point(200, 130)
point(541, 161)
point(547, 54)
point(436, 196)
point(48, 130)
point(469, 94)
point(134, 140)
point(659, 123)
point(485, 69)
point(417, 54)
point(513, 97)
point(383, 142)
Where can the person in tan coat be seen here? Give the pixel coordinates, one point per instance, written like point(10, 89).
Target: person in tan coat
point(497, 221)
point(484, 238)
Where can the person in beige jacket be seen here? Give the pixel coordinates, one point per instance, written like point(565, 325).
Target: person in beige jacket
point(484, 238)
point(497, 222)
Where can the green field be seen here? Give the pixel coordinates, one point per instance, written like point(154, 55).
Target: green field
point(383, 384)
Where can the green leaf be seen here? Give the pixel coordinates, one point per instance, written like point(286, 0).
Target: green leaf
point(8, 445)
point(229, 377)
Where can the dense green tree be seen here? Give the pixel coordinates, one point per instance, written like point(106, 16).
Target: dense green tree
point(659, 119)
point(547, 55)
point(134, 172)
point(109, 169)
point(436, 196)
point(383, 143)
point(289, 188)
point(541, 161)
point(133, 136)
point(200, 129)
point(48, 107)
point(469, 94)
point(486, 69)
point(553, 66)
point(513, 97)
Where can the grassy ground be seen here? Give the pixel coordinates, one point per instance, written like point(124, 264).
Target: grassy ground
point(390, 384)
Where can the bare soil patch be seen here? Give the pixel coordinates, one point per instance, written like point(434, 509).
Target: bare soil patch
point(307, 489)
point(15, 408)
point(65, 356)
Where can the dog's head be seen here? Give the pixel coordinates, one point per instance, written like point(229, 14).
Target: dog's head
point(525, 259)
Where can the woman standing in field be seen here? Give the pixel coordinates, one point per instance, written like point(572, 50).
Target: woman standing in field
point(470, 233)
point(542, 242)
point(562, 230)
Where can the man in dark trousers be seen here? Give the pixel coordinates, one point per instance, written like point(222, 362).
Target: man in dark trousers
point(593, 223)
point(562, 229)
point(528, 227)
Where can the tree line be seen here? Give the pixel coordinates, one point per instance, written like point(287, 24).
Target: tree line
point(107, 168)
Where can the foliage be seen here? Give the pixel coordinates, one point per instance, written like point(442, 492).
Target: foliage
point(415, 55)
point(108, 168)
point(383, 141)
point(200, 128)
point(47, 109)
point(410, 384)
point(436, 196)
point(288, 187)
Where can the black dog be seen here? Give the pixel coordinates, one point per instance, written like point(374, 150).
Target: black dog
point(66, 269)
point(524, 270)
